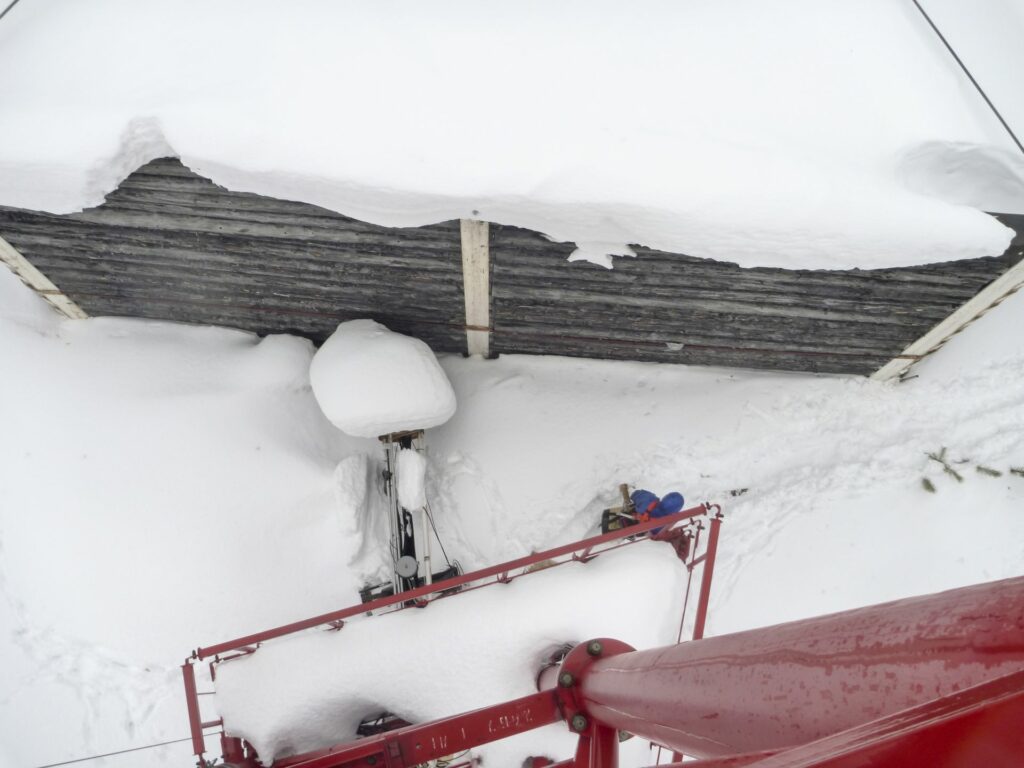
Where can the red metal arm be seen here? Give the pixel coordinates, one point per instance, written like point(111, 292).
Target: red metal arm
point(188, 673)
point(934, 681)
point(448, 584)
point(709, 572)
point(666, 528)
point(417, 744)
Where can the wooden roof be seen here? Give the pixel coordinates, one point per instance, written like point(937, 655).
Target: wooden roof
point(171, 245)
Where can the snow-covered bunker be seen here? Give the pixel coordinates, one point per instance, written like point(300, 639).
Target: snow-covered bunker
point(169, 244)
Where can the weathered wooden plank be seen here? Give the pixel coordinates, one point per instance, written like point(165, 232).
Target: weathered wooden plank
point(316, 326)
point(166, 166)
point(655, 268)
point(157, 222)
point(210, 199)
point(341, 276)
point(225, 276)
point(150, 289)
point(680, 352)
point(533, 245)
point(31, 276)
point(98, 222)
point(729, 357)
point(881, 286)
point(476, 279)
point(662, 296)
point(169, 244)
point(544, 300)
point(991, 296)
point(783, 333)
point(370, 269)
point(683, 323)
point(536, 244)
point(225, 251)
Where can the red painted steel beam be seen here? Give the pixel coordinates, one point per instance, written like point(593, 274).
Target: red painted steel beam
point(705, 580)
point(598, 748)
point(794, 683)
point(747, 760)
point(418, 744)
point(447, 584)
point(980, 727)
point(195, 721)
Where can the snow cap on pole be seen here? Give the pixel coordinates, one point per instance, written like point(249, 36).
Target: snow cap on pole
point(370, 381)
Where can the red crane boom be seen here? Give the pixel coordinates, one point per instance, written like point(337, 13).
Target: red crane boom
point(927, 682)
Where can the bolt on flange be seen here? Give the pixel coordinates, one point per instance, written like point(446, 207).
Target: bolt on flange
point(595, 648)
point(579, 723)
point(566, 680)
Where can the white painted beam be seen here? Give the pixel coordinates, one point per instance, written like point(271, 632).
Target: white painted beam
point(476, 281)
point(39, 282)
point(990, 296)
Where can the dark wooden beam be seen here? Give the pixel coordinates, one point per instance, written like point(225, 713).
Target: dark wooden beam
point(171, 245)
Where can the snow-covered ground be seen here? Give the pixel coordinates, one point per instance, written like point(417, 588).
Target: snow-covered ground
point(164, 486)
point(797, 133)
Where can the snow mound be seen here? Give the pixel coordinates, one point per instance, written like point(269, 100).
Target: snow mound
point(694, 128)
point(370, 381)
point(988, 178)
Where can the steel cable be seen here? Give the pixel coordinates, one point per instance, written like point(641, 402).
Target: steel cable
point(119, 752)
point(969, 75)
point(8, 8)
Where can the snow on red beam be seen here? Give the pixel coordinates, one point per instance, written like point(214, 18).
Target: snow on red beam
point(499, 570)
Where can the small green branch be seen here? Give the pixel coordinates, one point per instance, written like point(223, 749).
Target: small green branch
point(940, 457)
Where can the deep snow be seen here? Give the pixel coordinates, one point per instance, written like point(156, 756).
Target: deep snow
point(370, 381)
point(796, 133)
point(165, 486)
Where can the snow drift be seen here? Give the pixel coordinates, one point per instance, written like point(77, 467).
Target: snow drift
point(370, 381)
point(201, 487)
point(768, 134)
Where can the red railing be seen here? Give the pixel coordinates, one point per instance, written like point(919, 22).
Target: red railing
point(682, 530)
point(935, 681)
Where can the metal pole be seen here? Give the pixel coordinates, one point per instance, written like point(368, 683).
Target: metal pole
point(195, 720)
point(429, 574)
point(604, 748)
point(705, 578)
point(391, 489)
point(793, 683)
